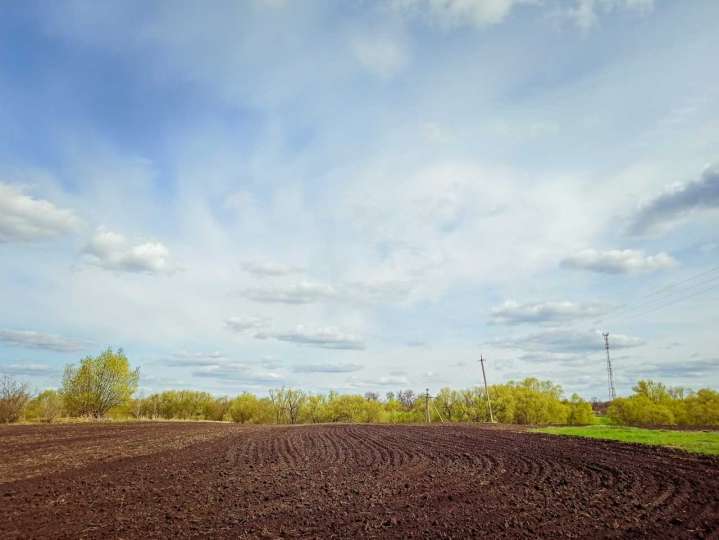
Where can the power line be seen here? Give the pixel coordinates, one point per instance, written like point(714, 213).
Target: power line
point(670, 303)
point(666, 295)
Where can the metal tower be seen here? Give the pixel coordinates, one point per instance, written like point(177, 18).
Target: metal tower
point(610, 373)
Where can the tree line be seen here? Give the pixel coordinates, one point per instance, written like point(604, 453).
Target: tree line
point(654, 403)
point(105, 386)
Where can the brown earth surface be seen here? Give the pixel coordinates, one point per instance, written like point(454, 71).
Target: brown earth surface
point(160, 480)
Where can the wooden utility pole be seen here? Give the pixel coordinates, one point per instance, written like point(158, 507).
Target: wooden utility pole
point(426, 406)
point(486, 389)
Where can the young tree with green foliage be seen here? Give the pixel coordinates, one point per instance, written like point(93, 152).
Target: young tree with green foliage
point(580, 412)
point(45, 407)
point(98, 384)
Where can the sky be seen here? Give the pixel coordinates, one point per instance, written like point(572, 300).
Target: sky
point(361, 195)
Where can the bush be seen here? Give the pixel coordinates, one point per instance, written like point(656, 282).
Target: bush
point(638, 410)
point(13, 399)
point(99, 384)
point(45, 407)
point(245, 408)
point(580, 412)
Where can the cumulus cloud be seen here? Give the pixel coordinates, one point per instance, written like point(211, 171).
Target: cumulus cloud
point(25, 219)
point(451, 13)
point(28, 370)
point(246, 323)
point(299, 293)
point(112, 251)
point(237, 372)
point(326, 338)
point(678, 201)
point(618, 261)
point(264, 269)
point(376, 291)
point(381, 55)
point(194, 359)
point(327, 367)
point(37, 340)
point(705, 367)
point(511, 312)
point(568, 341)
point(585, 13)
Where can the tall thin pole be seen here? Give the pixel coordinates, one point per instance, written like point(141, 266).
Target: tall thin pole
point(610, 373)
point(426, 405)
point(486, 389)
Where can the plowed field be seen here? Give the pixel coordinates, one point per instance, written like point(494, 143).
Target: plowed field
point(344, 481)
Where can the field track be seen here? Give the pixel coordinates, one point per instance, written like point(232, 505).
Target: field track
point(344, 481)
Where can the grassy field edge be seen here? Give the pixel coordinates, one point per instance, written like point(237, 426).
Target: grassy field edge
point(699, 442)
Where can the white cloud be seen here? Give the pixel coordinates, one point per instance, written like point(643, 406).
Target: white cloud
point(585, 13)
point(397, 382)
point(326, 338)
point(25, 219)
point(326, 367)
point(511, 312)
point(450, 13)
point(382, 55)
point(194, 359)
point(263, 269)
point(618, 261)
point(568, 341)
point(112, 251)
point(38, 340)
point(29, 370)
point(299, 293)
point(238, 373)
point(678, 201)
point(246, 323)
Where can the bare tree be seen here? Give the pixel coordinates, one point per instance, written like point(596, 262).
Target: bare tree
point(287, 404)
point(295, 400)
point(407, 399)
point(278, 398)
point(371, 396)
point(13, 399)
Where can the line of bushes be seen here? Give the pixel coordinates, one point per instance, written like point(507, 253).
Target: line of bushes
point(653, 403)
point(104, 386)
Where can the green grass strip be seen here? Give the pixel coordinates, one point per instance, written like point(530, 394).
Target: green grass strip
point(700, 442)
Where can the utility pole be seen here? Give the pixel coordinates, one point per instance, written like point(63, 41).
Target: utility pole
point(486, 389)
point(610, 373)
point(426, 406)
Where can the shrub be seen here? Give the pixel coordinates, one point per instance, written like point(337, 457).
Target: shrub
point(13, 399)
point(98, 384)
point(580, 412)
point(45, 407)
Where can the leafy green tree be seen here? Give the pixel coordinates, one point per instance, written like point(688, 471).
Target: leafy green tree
point(580, 412)
point(702, 408)
point(45, 407)
point(245, 408)
point(315, 409)
point(98, 384)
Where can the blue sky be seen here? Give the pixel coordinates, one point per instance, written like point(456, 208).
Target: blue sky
point(361, 195)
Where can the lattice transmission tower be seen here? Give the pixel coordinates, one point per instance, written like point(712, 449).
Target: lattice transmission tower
point(610, 373)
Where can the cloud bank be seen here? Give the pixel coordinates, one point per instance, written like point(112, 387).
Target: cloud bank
point(25, 219)
point(618, 261)
point(112, 251)
point(677, 202)
point(511, 312)
point(37, 340)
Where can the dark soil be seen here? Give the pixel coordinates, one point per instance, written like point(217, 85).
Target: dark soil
point(348, 481)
